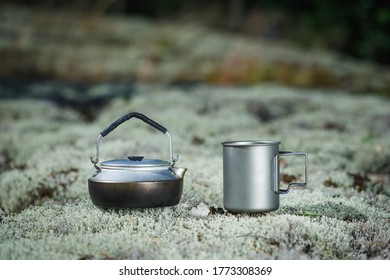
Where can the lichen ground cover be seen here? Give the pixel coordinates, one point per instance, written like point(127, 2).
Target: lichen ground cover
point(343, 213)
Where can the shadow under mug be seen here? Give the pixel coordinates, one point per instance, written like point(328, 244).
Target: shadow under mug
point(251, 172)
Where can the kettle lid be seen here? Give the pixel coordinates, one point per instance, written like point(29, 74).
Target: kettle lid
point(134, 162)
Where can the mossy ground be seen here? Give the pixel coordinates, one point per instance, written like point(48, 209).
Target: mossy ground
point(343, 213)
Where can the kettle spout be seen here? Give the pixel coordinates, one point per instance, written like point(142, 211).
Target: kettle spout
point(179, 171)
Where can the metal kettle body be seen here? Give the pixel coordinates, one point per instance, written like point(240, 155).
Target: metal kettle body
point(136, 182)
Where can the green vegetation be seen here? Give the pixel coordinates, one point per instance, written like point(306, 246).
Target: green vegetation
point(46, 213)
point(64, 45)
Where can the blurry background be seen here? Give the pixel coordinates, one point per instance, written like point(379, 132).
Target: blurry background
point(338, 44)
point(359, 28)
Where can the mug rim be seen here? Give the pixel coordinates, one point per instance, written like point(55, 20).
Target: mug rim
point(250, 143)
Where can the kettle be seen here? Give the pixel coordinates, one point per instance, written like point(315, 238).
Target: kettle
point(136, 182)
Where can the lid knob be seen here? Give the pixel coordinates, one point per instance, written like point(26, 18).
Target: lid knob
point(135, 158)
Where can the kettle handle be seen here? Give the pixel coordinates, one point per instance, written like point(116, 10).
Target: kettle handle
point(128, 116)
point(121, 120)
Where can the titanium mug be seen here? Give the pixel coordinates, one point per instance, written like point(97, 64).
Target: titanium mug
point(251, 175)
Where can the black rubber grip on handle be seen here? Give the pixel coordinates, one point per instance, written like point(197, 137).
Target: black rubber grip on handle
point(128, 116)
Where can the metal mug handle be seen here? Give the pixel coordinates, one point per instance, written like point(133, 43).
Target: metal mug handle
point(121, 120)
point(276, 172)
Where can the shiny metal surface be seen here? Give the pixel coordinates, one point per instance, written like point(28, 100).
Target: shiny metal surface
point(125, 163)
point(134, 188)
point(251, 176)
point(135, 194)
point(134, 181)
point(250, 143)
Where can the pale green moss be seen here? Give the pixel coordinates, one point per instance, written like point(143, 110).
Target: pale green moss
point(46, 213)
